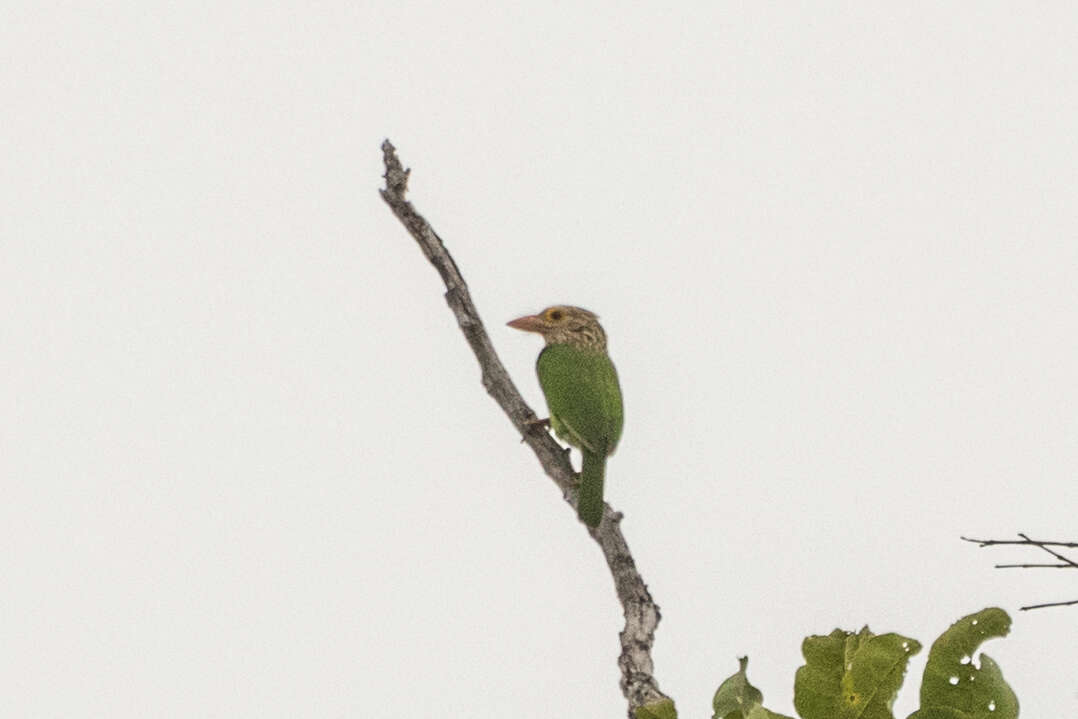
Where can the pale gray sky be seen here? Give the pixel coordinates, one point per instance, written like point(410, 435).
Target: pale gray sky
point(248, 468)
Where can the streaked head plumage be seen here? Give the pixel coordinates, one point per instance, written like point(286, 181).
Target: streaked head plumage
point(565, 324)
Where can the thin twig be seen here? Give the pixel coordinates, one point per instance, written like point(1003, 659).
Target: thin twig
point(1067, 562)
point(1054, 553)
point(992, 542)
point(641, 613)
point(1049, 604)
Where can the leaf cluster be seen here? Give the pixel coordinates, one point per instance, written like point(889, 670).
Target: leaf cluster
point(857, 675)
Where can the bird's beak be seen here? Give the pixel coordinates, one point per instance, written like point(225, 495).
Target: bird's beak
point(528, 323)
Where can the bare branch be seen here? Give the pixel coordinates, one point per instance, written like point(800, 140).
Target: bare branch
point(1049, 604)
point(641, 613)
point(1067, 562)
point(993, 542)
point(1054, 553)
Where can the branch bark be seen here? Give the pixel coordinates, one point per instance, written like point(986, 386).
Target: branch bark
point(641, 613)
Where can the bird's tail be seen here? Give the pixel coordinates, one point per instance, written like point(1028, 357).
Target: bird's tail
point(589, 506)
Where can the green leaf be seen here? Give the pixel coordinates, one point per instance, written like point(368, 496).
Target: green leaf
point(737, 699)
point(851, 676)
point(662, 709)
point(735, 695)
point(954, 686)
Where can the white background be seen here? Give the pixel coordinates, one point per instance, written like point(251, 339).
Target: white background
point(247, 465)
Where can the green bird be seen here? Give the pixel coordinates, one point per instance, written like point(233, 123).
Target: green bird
point(582, 392)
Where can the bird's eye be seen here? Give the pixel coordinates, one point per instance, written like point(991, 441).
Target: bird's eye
point(555, 315)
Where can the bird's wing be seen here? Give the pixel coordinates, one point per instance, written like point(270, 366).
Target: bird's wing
point(581, 388)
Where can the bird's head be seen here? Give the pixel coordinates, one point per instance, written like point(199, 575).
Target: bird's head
point(565, 324)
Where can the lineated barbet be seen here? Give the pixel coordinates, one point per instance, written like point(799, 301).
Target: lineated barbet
point(582, 393)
